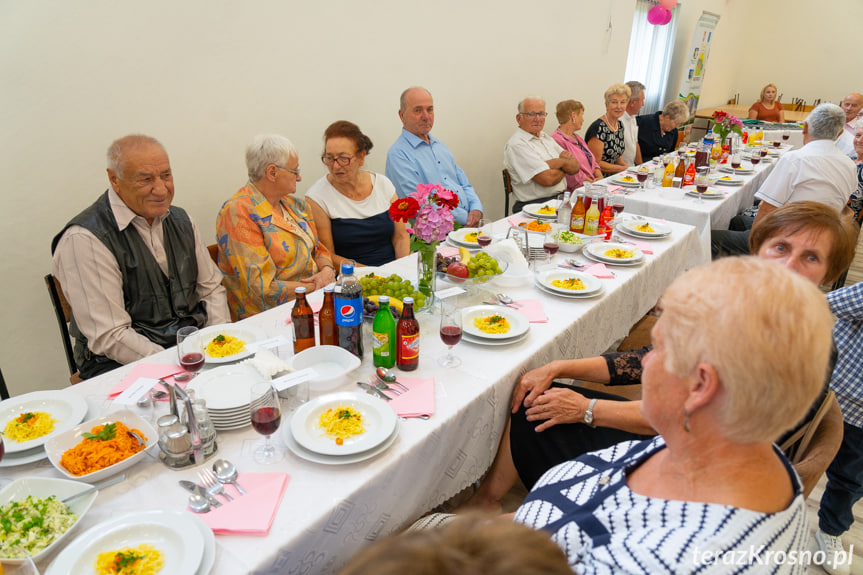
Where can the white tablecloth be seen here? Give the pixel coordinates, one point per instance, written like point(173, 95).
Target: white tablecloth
point(328, 512)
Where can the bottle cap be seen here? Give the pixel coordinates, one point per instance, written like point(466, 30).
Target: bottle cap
point(347, 269)
point(408, 299)
point(300, 290)
point(329, 288)
point(384, 299)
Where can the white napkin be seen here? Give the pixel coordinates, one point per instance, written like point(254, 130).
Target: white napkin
point(508, 250)
point(267, 363)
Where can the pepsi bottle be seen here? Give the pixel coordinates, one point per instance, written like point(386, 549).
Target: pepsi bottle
point(349, 312)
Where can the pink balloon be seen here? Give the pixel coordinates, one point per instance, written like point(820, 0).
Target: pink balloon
point(668, 4)
point(667, 18)
point(657, 16)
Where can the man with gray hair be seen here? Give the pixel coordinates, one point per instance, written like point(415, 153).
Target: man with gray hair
point(818, 172)
point(536, 163)
point(632, 152)
point(852, 105)
point(132, 266)
point(417, 157)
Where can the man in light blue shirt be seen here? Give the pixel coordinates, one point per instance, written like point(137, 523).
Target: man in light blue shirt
point(419, 158)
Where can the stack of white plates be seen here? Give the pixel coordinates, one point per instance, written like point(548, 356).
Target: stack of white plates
point(740, 170)
point(66, 407)
point(729, 181)
point(627, 179)
point(518, 325)
point(540, 211)
point(227, 392)
point(710, 193)
point(631, 227)
point(307, 440)
point(592, 286)
point(601, 252)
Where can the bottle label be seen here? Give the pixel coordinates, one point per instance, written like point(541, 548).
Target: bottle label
point(381, 344)
point(410, 347)
point(349, 312)
point(577, 225)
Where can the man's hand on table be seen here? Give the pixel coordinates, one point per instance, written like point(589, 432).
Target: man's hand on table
point(473, 218)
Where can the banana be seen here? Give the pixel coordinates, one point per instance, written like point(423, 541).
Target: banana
point(464, 254)
point(394, 302)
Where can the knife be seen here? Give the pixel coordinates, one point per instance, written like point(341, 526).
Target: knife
point(373, 390)
point(96, 487)
point(195, 488)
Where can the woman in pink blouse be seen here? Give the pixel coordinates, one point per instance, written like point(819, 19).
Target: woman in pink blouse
point(570, 115)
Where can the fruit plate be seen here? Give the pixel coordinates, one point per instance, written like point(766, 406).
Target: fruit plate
point(474, 280)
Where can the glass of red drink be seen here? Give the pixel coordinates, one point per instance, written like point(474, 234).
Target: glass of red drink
point(702, 182)
point(266, 416)
point(190, 351)
point(785, 135)
point(483, 238)
point(450, 333)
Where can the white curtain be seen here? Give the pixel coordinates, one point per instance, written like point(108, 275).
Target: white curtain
point(649, 59)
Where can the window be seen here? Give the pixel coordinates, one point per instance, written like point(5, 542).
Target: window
point(649, 58)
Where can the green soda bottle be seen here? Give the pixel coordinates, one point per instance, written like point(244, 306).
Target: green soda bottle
point(384, 335)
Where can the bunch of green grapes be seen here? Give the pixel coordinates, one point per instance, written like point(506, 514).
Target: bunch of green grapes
point(393, 286)
point(482, 264)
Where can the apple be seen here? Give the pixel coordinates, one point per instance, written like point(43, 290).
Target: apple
point(457, 271)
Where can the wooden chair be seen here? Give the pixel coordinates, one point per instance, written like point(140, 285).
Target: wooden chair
point(507, 191)
point(63, 313)
point(4, 392)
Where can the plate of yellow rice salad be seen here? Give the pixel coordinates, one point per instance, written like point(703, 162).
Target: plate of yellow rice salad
point(493, 322)
point(29, 420)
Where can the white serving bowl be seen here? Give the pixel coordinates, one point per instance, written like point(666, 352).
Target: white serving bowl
point(574, 248)
point(40, 488)
point(332, 363)
point(59, 444)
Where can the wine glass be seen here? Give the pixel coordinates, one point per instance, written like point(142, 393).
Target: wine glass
point(450, 333)
point(483, 237)
point(190, 352)
point(266, 415)
point(702, 182)
point(755, 158)
point(642, 175)
point(735, 160)
point(617, 205)
point(763, 152)
point(25, 567)
point(549, 244)
point(681, 151)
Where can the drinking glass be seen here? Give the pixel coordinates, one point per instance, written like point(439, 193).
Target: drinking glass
point(25, 567)
point(763, 152)
point(735, 160)
point(549, 244)
point(702, 182)
point(617, 204)
point(266, 415)
point(450, 333)
point(785, 135)
point(642, 175)
point(190, 352)
point(681, 151)
point(483, 238)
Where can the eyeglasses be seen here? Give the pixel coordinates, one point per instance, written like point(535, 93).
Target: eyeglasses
point(534, 114)
point(342, 160)
point(295, 172)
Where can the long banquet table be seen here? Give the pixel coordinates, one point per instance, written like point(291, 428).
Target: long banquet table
point(328, 512)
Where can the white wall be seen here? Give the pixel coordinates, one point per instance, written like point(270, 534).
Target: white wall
point(204, 77)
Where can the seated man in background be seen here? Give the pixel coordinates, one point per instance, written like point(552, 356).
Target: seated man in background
point(632, 152)
point(817, 172)
point(417, 157)
point(536, 163)
point(133, 267)
point(852, 105)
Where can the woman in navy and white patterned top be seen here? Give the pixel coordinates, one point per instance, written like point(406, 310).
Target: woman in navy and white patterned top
point(712, 494)
point(605, 136)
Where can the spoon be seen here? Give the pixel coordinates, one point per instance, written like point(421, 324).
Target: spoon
point(506, 300)
point(198, 504)
point(388, 376)
point(227, 473)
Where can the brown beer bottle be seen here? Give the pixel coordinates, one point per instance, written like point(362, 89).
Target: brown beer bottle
point(328, 335)
point(303, 320)
point(408, 338)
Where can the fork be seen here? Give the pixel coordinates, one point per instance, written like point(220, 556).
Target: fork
point(384, 387)
point(212, 485)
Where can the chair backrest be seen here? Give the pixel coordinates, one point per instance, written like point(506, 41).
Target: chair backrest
point(4, 392)
point(507, 191)
point(63, 313)
point(214, 252)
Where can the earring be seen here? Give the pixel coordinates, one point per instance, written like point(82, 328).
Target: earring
point(686, 421)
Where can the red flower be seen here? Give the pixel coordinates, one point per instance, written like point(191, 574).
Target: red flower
point(445, 197)
point(404, 209)
point(719, 116)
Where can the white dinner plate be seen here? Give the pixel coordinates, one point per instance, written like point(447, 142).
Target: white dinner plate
point(573, 295)
point(710, 194)
point(631, 226)
point(740, 170)
point(532, 210)
point(622, 263)
point(209, 557)
point(304, 453)
point(626, 182)
point(226, 387)
point(243, 333)
point(379, 422)
point(458, 237)
point(66, 407)
point(591, 284)
point(24, 457)
point(730, 181)
point(483, 341)
point(172, 532)
point(518, 323)
point(599, 249)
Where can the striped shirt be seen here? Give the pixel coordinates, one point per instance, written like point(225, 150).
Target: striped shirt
point(847, 306)
point(603, 527)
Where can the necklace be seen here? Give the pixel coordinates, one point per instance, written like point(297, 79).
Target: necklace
point(608, 123)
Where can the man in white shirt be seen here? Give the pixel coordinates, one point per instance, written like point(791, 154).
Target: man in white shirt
point(536, 163)
point(632, 152)
point(852, 105)
point(817, 172)
point(133, 267)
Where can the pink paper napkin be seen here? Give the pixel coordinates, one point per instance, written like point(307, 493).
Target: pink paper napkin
point(532, 310)
point(598, 270)
point(447, 251)
point(611, 189)
point(252, 513)
point(419, 400)
point(515, 220)
point(151, 370)
point(316, 307)
point(643, 246)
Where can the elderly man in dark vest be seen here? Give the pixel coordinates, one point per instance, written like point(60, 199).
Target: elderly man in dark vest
point(133, 267)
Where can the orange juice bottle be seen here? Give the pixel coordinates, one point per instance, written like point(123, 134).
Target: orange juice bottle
point(756, 139)
point(668, 177)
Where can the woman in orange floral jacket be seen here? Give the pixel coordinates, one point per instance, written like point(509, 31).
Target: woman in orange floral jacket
point(268, 244)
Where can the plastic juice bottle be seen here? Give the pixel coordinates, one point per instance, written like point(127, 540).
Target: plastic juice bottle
point(605, 219)
point(303, 322)
point(349, 312)
point(384, 330)
point(408, 338)
point(668, 177)
point(689, 175)
point(756, 139)
point(327, 332)
point(591, 219)
point(576, 221)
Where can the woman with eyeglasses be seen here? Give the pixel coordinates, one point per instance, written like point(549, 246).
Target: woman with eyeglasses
point(351, 206)
point(605, 136)
point(268, 243)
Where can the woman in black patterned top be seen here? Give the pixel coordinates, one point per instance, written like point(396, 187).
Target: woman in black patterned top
point(605, 136)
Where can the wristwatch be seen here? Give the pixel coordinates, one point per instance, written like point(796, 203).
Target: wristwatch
point(588, 415)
